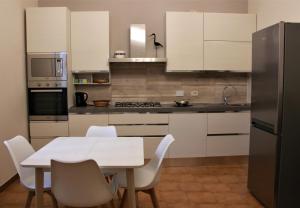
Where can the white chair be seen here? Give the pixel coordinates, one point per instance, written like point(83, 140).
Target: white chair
point(80, 184)
point(146, 177)
point(19, 149)
point(101, 131)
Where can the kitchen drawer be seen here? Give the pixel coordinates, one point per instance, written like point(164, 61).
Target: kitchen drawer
point(48, 129)
point(39, 142)
point(79, 124)
point(228, 123)
point(138, 118)
point(150, 146)
point(229, 145)
point(142, 130)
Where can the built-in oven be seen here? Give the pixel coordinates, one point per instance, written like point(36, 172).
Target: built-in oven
point(48, 101)
point(47, 66)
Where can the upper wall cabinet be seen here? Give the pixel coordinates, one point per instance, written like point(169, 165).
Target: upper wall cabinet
point(90, 41)
point(48, 29)
point(227, 41)
point(229, 27)
point(184, 41)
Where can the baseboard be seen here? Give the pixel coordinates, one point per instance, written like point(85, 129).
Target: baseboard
point(10, 181)
point(206, 161)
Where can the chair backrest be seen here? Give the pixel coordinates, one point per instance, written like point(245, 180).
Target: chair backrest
point(79, 184)
point(155, 164)
point(19, 149)
point(101, 131)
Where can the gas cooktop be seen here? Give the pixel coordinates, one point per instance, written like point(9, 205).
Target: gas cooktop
point(137, 104)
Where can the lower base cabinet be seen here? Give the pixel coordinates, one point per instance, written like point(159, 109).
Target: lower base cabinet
point(189, 131)
point(38, 143)
point(79, 124)
point(227, 145)
point(150, 145)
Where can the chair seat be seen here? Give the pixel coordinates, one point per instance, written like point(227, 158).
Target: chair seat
point(143, 178)
point(30, 182)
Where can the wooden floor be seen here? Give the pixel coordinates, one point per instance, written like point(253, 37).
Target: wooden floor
point(216, 186)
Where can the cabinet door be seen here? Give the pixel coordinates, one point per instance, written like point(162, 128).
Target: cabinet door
point(228, 123)
point(79, 124)
point(189, 131)
point(229, 27)
point(38, 142)
point(90, 41)
point(184, 41)
point(48, 128)
point(47, 29)
point(227, 145)
point(227, 56)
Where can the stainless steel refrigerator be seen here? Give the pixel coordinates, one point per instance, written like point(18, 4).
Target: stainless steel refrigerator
point(274, 161)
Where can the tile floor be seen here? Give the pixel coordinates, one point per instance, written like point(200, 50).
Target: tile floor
point(217, 186)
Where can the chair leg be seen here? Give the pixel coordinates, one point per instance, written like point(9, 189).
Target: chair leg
point(30, 196)
point(54, 201)
point(123, 198)
point(137, 199)
point(153, 198)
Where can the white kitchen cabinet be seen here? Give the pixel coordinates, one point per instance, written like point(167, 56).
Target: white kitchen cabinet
point(227, 56)
point(79, 124)
point(228, 134)
point(228, 123)
point(47, 29)
point(38, 142)
point(184, 41)
point(90, 41)
point(138, 118)
point(227, 145)
point(229, 26)
point(189, 131)
point(48, 128)
point(150, 146)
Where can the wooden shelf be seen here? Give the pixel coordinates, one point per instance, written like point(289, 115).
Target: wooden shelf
point(91, 84)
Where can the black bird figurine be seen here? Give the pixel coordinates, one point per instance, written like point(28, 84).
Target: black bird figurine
point(156, 44)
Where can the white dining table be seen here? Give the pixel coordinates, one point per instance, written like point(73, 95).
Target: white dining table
point(121, 153)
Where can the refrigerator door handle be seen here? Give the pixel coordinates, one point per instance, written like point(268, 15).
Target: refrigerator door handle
point(264, 126)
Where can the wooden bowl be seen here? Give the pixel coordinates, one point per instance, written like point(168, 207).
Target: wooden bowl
point(101, 103)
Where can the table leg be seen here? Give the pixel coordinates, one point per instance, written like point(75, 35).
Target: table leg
point(39, 187)
point(130, 187)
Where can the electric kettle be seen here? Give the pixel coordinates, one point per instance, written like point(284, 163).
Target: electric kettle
point(81, 98)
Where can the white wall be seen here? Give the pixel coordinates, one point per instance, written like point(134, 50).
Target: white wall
point(13, 108)
point(273, 11)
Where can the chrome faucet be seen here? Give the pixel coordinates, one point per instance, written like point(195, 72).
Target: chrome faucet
point(227, 95)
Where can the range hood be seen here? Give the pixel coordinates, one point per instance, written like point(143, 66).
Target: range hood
point(137, 47)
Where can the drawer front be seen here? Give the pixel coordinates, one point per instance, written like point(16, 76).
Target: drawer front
point(39, 142)
point(48, 129)
point(150, 146)
point(142, 130)
point(138, 118)
point(79, 124)
point(228, 123)
point(231, 145)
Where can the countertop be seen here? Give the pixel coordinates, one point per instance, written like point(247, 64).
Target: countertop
point(196, 107)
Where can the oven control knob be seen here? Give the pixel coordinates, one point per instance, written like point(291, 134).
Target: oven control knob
point(47, 84)
point(57, 84)
point(39, 84)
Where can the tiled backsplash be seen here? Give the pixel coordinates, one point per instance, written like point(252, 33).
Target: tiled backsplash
point(150, 82)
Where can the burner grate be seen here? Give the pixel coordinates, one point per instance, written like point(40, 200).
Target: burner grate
point(137, 104)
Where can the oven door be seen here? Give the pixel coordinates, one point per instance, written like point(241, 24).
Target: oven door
point(44, 67)
point(48, 104)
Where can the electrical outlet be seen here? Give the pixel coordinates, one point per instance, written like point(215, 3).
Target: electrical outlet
point(179, 93)
point(194, 93)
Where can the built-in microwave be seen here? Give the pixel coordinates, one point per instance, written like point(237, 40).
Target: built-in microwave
point(47, 66)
